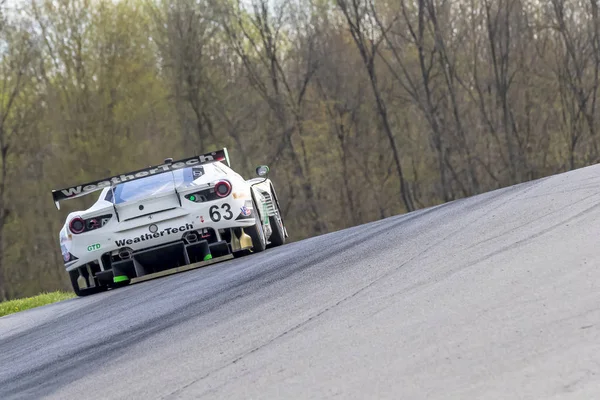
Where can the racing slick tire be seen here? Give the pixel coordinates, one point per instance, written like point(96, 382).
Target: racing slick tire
point(278, 235)
point(257, 233)
point(74, 275)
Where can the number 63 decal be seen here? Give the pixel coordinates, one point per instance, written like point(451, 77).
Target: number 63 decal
point(215, 215)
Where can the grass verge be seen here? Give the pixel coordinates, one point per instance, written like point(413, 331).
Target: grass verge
point(16, 305)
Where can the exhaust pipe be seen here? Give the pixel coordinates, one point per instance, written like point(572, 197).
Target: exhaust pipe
point(125, 253)
point(190, 237)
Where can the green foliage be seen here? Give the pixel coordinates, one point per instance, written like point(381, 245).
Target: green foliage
point(17, 305)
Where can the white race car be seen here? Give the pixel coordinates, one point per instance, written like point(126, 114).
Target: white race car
point(181, 214)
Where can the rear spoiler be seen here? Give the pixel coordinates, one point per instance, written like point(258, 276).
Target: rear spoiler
point(73, 192)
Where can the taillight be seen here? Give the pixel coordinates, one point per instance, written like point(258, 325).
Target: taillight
point(223, 188)
point(79, 225)
point(220, 190)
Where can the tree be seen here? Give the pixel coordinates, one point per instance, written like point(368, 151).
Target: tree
point(361, 24)
point(259, 39)
point(17, 112)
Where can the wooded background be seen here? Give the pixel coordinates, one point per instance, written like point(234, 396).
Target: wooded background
point(363, 109)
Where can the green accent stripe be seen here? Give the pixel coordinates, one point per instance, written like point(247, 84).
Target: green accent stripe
point(208, 257)
point(120, 278)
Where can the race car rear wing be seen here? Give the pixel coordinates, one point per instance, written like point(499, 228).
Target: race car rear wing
point(73, 192)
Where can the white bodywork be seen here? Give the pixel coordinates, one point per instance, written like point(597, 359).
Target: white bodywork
point(166, 214)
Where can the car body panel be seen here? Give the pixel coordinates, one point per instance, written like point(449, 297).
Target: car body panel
point(174, 208)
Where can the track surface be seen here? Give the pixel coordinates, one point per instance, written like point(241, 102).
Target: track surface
point(495, 296)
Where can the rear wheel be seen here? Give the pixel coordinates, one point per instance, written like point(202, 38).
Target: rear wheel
point(278, 235)
point(75, 276)
point(257, 233)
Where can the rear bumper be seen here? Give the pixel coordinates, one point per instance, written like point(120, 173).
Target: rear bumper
point(165, 257)
point(161, 229)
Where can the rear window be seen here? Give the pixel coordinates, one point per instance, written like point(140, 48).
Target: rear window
point(153, 185)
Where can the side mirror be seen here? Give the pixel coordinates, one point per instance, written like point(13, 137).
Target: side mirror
point(262, 171)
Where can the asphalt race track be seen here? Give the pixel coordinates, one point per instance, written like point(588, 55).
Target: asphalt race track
point(494, 296)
